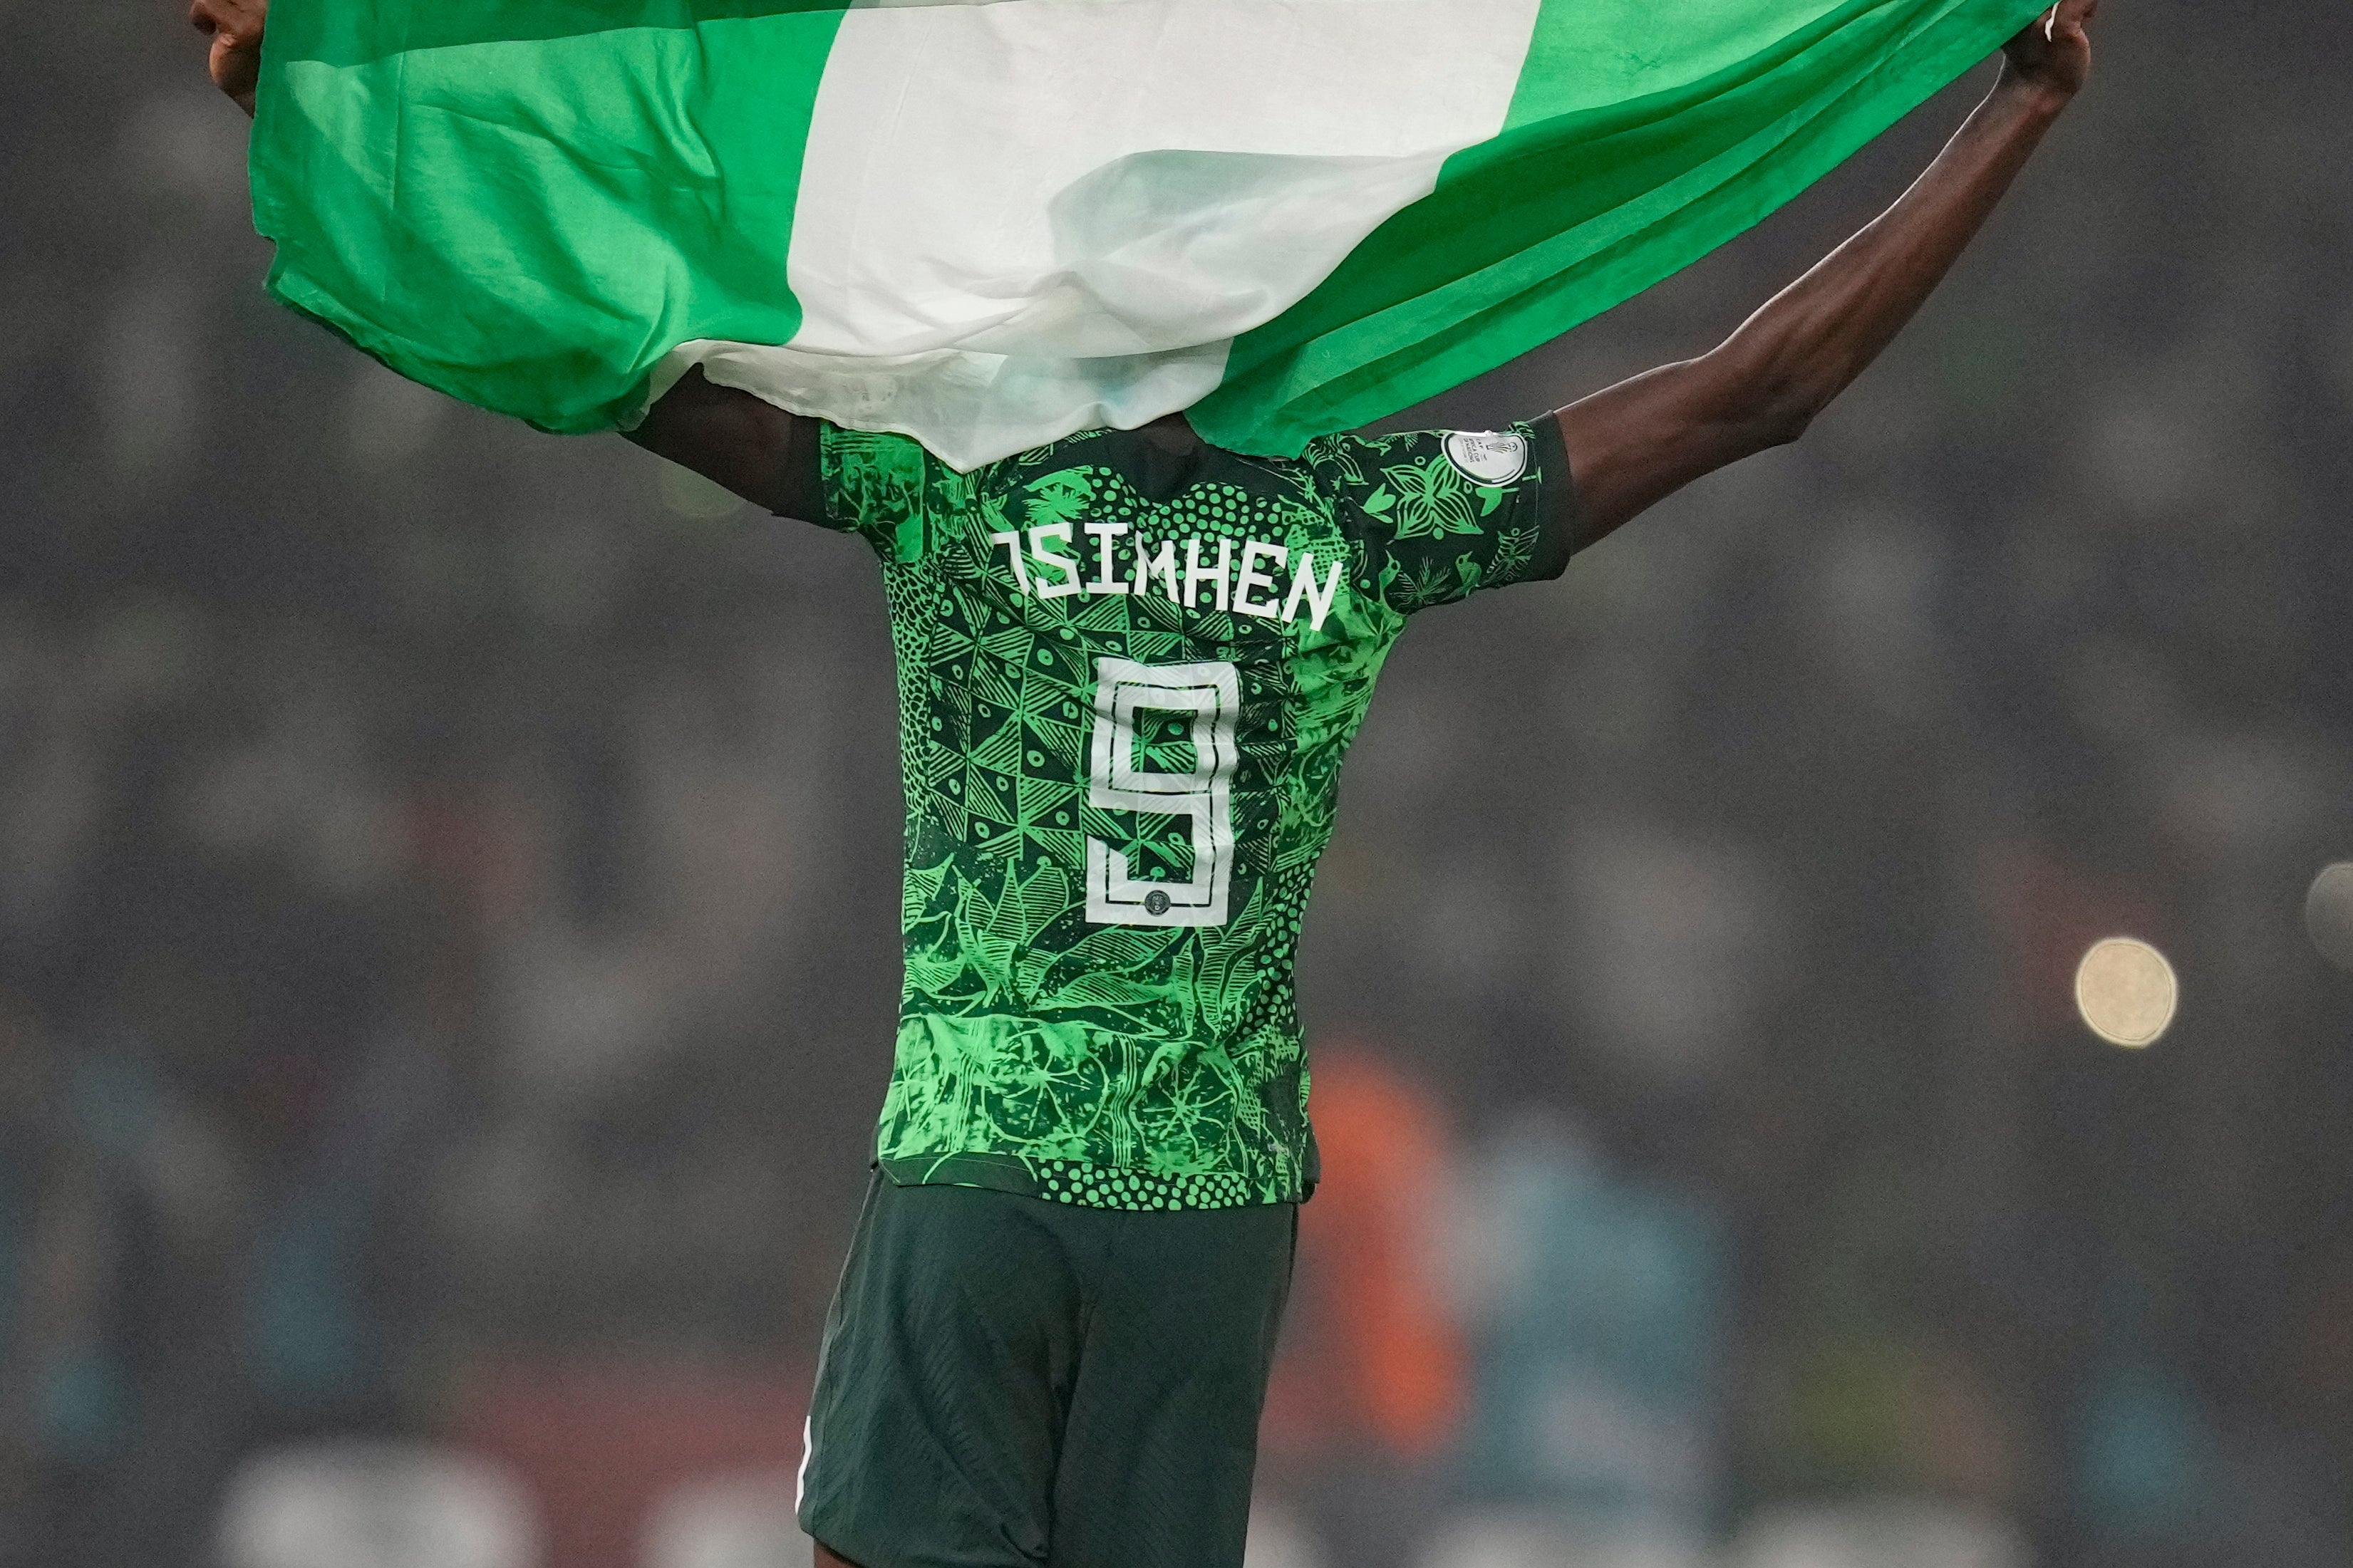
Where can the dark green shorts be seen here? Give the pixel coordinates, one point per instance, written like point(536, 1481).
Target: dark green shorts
point(1007, 1382)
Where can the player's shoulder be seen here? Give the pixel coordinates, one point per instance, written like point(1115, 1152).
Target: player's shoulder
point(846, 447)
point(880, 484)
point(1488, 458)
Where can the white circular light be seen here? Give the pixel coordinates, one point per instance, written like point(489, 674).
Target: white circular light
point(2126, 991)
point(2328, 913)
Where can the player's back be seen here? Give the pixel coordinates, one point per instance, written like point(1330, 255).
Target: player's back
point(1129, 667)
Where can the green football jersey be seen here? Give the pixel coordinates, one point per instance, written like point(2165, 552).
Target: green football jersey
point(1129, 667)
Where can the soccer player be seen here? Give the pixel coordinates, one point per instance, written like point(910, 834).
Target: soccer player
point(1129, 666)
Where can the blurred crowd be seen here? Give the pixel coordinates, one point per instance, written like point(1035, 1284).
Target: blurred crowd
point(448, 952)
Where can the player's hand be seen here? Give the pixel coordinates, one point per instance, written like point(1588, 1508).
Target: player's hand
point(235, 29)
point(2054, 56)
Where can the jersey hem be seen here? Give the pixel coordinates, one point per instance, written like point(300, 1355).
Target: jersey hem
point(1081, 1183)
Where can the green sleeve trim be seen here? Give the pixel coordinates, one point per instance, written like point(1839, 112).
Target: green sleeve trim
point(879, 486)
point(1562, 531)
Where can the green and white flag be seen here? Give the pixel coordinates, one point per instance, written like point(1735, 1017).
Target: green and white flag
point(988, 225)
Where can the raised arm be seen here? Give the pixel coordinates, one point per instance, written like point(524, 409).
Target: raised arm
point(732, 438)
point(1632, 445)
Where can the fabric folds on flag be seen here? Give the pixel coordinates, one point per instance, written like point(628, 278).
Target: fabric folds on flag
point(990, 225)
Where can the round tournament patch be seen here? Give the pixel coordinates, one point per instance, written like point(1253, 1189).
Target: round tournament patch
point(1487, 457)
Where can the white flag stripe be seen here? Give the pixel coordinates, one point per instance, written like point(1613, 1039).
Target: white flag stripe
point(1019, 220)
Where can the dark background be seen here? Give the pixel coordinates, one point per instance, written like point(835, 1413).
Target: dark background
point(448, 902)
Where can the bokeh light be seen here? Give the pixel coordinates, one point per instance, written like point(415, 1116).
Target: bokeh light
point(2328, 913)
point(2126, 991)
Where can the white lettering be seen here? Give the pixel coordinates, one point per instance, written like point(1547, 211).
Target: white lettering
point(1304, 590)
point(1044, 557)
point(1104, 533)
point(1162, 565)
point(1252, 577)
point(1253, 587)
point(1195, 576)
point(1012, 542)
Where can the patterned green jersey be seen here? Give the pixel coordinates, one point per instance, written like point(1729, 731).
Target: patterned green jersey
point(1129, 666)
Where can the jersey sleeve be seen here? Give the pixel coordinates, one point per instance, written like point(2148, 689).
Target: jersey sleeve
point(1444, 513)
point(878, 486)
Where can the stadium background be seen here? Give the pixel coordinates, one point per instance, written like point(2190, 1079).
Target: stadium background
point(448, 899)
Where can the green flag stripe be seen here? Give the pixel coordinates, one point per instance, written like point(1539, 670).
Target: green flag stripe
point(625, 213)
point(1567, 214)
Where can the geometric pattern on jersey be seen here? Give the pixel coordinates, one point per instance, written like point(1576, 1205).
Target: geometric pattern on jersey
point(1129, 667)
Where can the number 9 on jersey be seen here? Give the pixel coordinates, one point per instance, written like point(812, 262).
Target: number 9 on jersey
point(1211, 693)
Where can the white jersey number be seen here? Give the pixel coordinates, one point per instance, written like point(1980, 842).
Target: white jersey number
point(1212, 693)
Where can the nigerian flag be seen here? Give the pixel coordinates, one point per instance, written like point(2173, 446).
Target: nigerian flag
point(988, 225)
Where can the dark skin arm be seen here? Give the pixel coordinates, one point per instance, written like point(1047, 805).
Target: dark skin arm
point(1632, 445)
point(734, 439)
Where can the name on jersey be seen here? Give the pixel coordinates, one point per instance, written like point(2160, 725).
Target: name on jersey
point(1246, 577)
